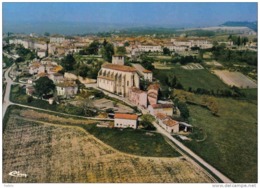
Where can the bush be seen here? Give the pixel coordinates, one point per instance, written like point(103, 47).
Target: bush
point(29, 99)
point(148, 126)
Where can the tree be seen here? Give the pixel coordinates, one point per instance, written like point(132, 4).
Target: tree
point(108, 52)
point(44, 86)
point(185, 114)
point(121, 50)
point(88, 108)
point(68, 62)
point(166, 51)
point(83, 71)
point(126, 44)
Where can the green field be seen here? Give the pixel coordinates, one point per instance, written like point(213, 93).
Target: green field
point(231, 144)
point(136, 142)
point(192, 78)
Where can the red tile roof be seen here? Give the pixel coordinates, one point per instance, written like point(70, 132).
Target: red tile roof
point(170, 122)
point(126, 116)
point(162, 105)
point(119, 67)
point(146, 71)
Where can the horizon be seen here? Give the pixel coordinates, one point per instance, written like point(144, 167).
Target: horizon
point(78, 18)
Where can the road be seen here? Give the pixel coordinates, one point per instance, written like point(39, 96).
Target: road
point(192, 154)
point(175, 141)
point(9, 82)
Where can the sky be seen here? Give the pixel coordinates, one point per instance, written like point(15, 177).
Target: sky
point(133, 14)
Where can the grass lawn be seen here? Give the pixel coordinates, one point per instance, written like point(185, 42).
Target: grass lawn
point(18, 96)
point(231, 144)
point(135, 142)
point(192, 78)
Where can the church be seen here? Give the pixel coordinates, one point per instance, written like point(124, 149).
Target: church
point(117, 78)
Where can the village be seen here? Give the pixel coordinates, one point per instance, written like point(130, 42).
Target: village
point(172, 91)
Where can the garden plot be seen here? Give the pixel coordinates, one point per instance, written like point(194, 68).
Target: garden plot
point(193, 66)
point(54, 153)
point(104, 104)
point(213, 63)
point(235, 79)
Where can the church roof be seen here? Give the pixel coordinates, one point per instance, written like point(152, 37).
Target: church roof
point(119, 67)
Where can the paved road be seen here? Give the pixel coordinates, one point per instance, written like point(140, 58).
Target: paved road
point(191, 153)
point(176, 142)
point(9, 82)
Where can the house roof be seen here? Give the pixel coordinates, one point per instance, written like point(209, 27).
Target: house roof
point(136, 90)
point(119, 67)
point(170, 122)
point(162, 105)
point(126, 116)
point(66, 84)
point(161, 116)
point(146, 71)
point(155, 86)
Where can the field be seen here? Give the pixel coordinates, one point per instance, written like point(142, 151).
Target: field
point(51, 149)
point(231, 144)
point(235, 79)
point(192, 78)
point(193, 66)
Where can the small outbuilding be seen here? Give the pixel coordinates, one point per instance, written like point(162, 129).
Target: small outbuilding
point(125, 120)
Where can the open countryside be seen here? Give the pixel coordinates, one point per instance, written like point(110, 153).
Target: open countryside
point(68, 153)
point(235, 79)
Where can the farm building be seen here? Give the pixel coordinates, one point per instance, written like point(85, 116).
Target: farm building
point(168, 123)
point(161, 108)
point(125, 120)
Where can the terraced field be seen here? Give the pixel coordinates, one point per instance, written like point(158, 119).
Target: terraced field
point(56, 152)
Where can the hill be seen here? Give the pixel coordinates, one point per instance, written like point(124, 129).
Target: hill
point(251, 25)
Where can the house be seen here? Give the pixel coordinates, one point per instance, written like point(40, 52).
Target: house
point(117, 78)
point(168, 123)
point(152, 93)
point(30, 90)
point(144, 73)
point(56, 77)
point(125, 120)
point(150, 48)
point(57, 39)
point(41, 53)
point(138, 97)
point(161, 108)
point(67, 88)
point(36, 67)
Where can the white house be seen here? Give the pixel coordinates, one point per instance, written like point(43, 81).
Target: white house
point(146, 74)
point(56, 77)
point(168, 123)
point(149, 48)
point(41, 53)
point(36, 67)
point(57, 39)
point(125, 120)
point(66, 88)
point(161, 108)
